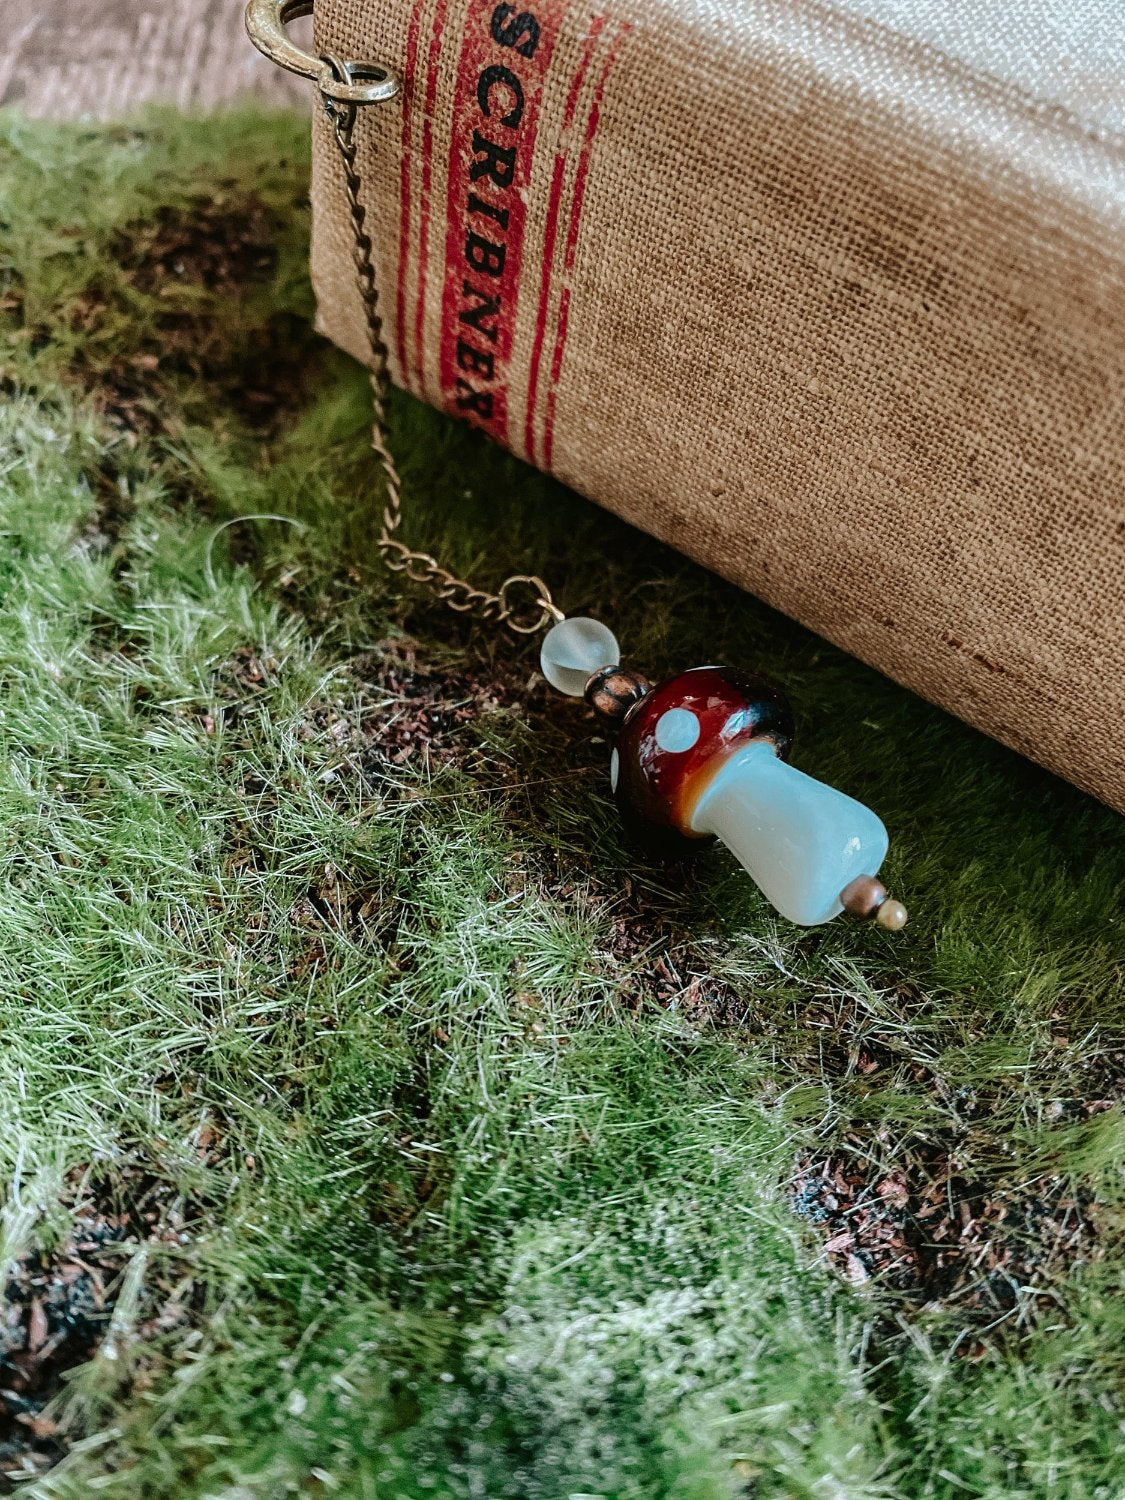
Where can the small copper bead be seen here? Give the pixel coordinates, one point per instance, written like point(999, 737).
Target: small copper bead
point(892, 916)
point(612, 691)
point(863, 896)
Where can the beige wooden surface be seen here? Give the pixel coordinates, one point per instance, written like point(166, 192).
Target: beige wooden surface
point(65, 59)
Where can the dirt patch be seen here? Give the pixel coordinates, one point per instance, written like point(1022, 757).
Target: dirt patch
point(390, 715)
point(198, 264)
point(220, 242)
point(929, 1230)
point(661, 962)
point(426, 719)
point(926, 1216)
point(61, 1307)
point(208, 334)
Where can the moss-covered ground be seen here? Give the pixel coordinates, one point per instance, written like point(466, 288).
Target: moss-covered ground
point(374, 1120)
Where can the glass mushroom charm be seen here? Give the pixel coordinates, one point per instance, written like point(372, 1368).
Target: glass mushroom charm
point(705, 755)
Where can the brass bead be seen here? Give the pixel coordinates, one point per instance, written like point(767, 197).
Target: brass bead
point(863, 896)
point(612, 691)
point(892, 916)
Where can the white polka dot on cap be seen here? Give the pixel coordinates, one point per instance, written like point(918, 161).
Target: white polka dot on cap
point(677, 730)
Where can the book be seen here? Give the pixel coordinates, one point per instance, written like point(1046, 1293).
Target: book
point(829, 294)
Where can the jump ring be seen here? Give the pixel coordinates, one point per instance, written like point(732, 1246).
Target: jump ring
point(546, 609)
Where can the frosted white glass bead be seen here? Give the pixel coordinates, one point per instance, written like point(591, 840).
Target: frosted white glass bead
point(573, 650)
point(800, 841)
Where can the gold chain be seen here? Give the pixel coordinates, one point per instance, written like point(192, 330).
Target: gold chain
point(503, 607)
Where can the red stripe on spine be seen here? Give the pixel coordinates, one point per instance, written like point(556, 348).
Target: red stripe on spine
point(432, 61)
point(404, 189)
point(580, 177)
point(550, 235)
point(505, 55)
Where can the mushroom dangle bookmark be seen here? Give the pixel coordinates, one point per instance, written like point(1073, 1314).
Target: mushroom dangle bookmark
point(705, 755)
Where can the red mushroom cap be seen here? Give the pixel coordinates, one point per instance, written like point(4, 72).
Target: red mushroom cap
point(678, 735)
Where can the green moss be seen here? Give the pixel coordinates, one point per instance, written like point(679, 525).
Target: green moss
point(429, 1139)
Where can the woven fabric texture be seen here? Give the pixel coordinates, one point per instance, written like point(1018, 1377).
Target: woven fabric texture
point(828, 294)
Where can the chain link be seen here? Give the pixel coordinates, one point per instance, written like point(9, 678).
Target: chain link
point(503, 607)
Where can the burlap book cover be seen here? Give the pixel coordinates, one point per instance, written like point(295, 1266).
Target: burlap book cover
point(830, 296)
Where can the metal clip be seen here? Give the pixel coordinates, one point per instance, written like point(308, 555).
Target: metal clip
point(365, 83)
